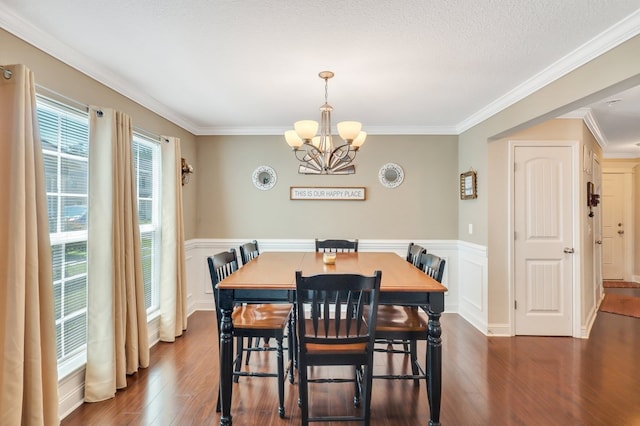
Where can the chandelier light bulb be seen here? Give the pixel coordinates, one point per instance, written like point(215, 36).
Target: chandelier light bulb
point(293, 139)
point(306, 129)
point(349, 130)
point(359, 140)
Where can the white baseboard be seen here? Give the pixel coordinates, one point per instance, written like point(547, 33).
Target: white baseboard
point(585, 330)
point(499, 330)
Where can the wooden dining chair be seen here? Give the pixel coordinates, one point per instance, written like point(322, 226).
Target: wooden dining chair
point(336, 327)
point(408, 323)
point(252, 320)
point(336, 246)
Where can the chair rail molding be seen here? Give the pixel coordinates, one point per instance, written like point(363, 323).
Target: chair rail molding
point(465, 274)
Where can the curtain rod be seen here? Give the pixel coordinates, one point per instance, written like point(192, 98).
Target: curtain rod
point(44, 91)
point(7, 73)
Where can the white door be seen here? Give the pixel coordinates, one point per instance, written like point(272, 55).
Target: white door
point(613, 235)
point(597, 232)
point(543, 246)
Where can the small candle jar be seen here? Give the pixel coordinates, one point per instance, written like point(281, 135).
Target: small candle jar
point(329, 258)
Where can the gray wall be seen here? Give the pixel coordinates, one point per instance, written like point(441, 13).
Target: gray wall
point(423, 207)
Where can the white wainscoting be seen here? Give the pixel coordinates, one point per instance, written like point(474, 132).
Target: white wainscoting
point(473, 302)
point(465, 274)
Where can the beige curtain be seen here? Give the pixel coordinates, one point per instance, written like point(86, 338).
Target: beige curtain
point(173, 283)
point(28, 369)
point(117, 337)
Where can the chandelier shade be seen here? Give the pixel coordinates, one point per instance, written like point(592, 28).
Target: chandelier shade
point(316, 152)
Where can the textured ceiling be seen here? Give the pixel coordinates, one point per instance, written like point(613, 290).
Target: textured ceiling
point(251, 66)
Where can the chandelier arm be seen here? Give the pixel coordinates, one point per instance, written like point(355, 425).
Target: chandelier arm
point(342, 156)
point(298, 153)
point(314, 153)
point(311, 156)
point(342, 151)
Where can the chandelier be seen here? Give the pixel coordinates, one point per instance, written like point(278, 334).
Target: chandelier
point(317, 152)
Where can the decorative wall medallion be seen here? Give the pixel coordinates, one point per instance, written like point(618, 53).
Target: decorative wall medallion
point(264, 178)
point(391, 175)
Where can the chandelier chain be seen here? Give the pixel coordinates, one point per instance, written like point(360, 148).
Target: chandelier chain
point(326, 90)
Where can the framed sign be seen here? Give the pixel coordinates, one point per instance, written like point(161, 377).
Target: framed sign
point(468, 186)
point(327, 193)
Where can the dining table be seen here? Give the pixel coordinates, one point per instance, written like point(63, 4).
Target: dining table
point(270, 278)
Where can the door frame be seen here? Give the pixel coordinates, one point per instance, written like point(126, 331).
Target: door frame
point(577, 226)
point(597, 247)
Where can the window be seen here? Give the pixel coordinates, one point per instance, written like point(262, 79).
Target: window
point(146, 157)
point(65, 148)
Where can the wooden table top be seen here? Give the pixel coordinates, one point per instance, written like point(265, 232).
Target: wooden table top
point(276, 270)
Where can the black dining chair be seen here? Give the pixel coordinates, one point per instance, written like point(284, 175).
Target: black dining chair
point(336, 246)
point(249, 251)
point(413, 256)
point(413, 253)
point(336, 327)
point(432, 265)
point(408, 323)
point(252, 320)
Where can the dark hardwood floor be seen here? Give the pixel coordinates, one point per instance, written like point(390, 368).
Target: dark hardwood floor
point(486, 380)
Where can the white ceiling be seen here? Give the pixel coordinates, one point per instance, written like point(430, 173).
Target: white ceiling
point(402, 67)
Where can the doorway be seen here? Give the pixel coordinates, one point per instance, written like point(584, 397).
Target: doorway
point(615, 226)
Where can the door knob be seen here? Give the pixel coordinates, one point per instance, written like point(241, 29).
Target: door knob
point(598, 241)
point(621, 231)
point(568, 250)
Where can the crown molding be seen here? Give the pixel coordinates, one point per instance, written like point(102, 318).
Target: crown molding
point(600, 44)
point(24, 30)
point(379, 130)
point(608, 39)
point(586, 115)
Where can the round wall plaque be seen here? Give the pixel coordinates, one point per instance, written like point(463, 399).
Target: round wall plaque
point(264, 178)
point(391, 175)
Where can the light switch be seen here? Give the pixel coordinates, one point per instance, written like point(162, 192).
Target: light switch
point(470, 228)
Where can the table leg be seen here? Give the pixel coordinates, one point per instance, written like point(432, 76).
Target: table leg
point(434, 360)
point(226, 369)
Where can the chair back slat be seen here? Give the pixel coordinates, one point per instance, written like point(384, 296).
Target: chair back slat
point(336, 308)
point(249, 251)
point(221, 265)
point(336, 246)
point(413, 254)
point(432, 265)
